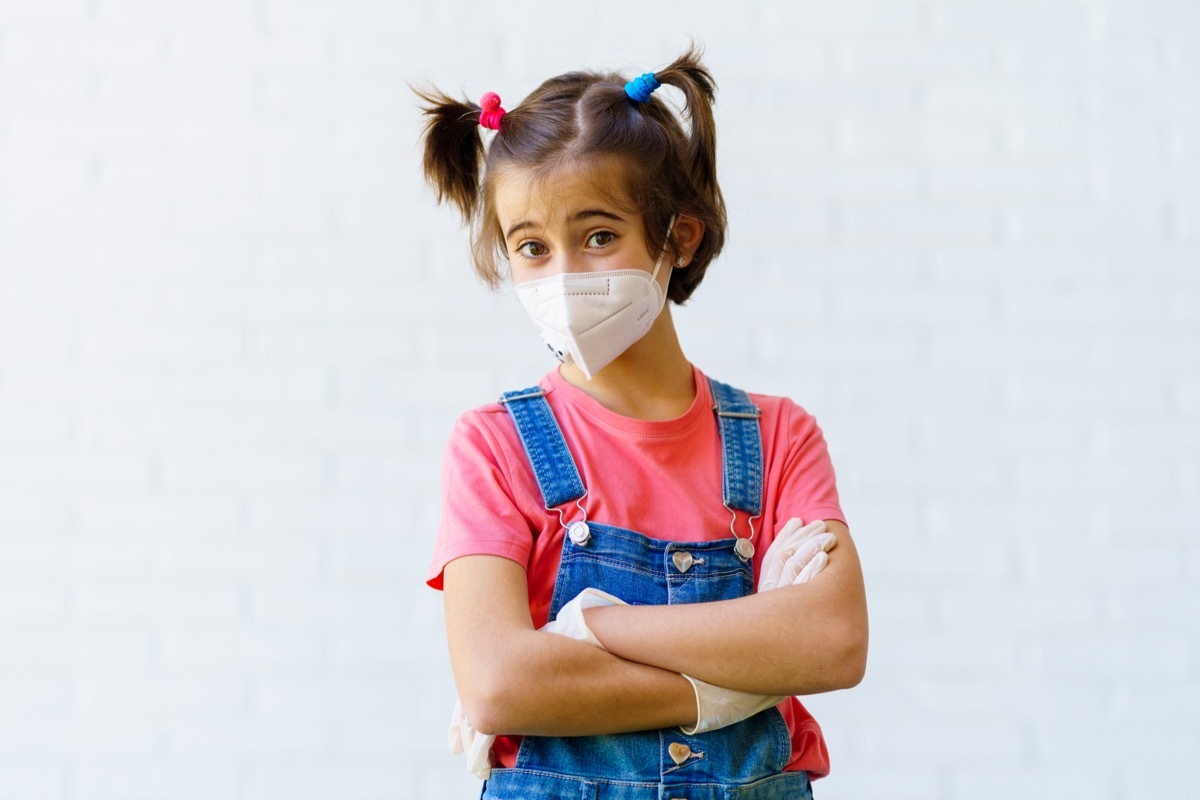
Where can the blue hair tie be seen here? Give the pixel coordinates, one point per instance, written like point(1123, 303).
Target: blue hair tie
point(641, 87)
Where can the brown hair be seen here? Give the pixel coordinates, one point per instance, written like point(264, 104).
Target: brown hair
point(581, 117)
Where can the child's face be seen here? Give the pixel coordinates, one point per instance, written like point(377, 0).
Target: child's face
point(566, 224)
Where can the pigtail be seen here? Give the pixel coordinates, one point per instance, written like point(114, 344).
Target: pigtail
point(454, 150)
point(667, 166)
point(697, 155)
point(687, 74)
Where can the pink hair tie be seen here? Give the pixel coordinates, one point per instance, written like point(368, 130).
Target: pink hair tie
point(490, 116)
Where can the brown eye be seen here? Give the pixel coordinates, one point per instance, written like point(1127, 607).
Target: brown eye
point(537, 249)
point(602, 238)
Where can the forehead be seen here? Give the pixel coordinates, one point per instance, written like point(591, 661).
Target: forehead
point(525, 194)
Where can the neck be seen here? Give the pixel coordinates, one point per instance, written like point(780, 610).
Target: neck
point(652, 380)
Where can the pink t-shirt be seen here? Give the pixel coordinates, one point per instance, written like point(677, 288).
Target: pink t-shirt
point(660, 478)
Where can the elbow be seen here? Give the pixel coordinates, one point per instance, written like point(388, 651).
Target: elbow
point(853, 666)
point(840, 662)
point(498, 688)
point(487, 705)
point(851, 655)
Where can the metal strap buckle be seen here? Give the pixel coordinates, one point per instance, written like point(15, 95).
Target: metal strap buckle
point(755, 414)
point(527, 395)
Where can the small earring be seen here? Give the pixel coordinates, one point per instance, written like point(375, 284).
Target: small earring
point(679, 262)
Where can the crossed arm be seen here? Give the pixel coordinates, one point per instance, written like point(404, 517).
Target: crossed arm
point(512, 679)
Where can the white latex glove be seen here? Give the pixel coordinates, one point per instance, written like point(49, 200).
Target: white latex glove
point(717, 707)
point(465, 739)
point(570, 623)
point(796, 555)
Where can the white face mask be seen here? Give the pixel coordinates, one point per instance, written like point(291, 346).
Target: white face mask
point(590, 318)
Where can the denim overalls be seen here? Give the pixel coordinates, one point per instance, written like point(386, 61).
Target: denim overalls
point(744, 760)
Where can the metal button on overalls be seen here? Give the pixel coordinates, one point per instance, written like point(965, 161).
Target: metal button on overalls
point(579, 532)
point(679, 751)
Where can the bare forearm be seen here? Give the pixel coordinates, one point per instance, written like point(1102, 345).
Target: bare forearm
point(555, 686)
point(513, 679)
point(791, 640)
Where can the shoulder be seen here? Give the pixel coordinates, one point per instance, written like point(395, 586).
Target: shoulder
point(791, 409)
point(772, 405)
point(482, 426)
point(488, 428)
point(797, 456)
point(780, 407)
point(780, 412)
point(487, 416)
point(785, 424)
point(484, 458)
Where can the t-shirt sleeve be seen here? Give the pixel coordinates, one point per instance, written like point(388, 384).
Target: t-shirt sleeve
point(480, 515)
point(808, 488)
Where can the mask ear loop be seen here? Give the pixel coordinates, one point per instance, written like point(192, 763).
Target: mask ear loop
point(663, 251)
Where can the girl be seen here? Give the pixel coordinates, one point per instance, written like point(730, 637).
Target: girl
point(626, 501)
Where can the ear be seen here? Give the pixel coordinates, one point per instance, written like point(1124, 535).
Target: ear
point(689, 232)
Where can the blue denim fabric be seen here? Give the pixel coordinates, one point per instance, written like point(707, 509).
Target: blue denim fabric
point(557, 477)
point(742, 445)
point(743, 761)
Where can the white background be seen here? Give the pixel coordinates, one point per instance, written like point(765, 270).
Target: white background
point(235, 330)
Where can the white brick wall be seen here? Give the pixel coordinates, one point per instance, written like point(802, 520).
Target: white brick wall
point(234, 332)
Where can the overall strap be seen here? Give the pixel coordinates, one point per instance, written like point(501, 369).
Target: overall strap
point(555, 470)
point(741, 442)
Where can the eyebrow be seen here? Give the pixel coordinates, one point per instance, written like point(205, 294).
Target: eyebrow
point(590, 212)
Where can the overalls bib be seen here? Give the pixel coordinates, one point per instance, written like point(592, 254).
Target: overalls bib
point(743, 761)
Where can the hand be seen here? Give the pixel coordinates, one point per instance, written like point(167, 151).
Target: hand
point(798, 553)
point(466, 739)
